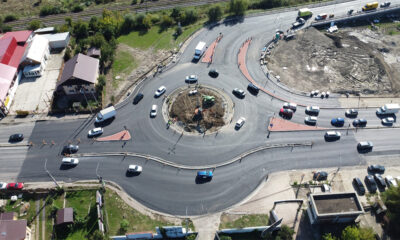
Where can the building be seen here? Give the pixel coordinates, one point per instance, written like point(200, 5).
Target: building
point(334, 208)
point(11, 52)
point(37, 54)
point(46, 30)
point(8, 85)
point(14, 230)
point(58, 40)
point(94, 52)
point(22, 37)
point(79, 77)
point(65, 216)
point(8, 216)
point(169, 231)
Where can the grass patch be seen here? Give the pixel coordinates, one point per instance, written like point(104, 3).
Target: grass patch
point(80, 201)
point(252, 220)
point(124, 63)
point(116, 210)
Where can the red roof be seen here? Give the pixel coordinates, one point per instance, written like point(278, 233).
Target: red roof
point(7, 47)
point(7, 74)
point(20, 36)
point(17, 56)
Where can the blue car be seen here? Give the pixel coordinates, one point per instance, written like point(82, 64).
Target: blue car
point(205, 174)
point(338, 122)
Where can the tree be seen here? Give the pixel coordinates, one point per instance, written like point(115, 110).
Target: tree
point(34, 24)
point(238, 7)
point(214, 14)
point(356, 233)
point(97, 235)
point(68, 21)
point(285, 233)
point(166, 21)
point(80, 30)
point(329, 236)
point(124, 225)
point(176, 13)
point(10, 18)
point(134, 2)
point(391, 198)
point(189, 16)
point(94, 24)
point(128, 24)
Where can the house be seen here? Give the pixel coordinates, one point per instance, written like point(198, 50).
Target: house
point(334, 208)
point(65, 216)
point(11, 52)
point(8, 86)
point(37, 54)
point(8, 216)
point(94, 52)
point(58, 40)
point(79, 77)
point(14, 230)
point(22, 37)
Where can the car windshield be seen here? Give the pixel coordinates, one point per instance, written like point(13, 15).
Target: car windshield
point(99, 116)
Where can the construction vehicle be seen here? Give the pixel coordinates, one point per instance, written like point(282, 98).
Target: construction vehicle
point(304, 13)
point(208, 99)
point(370, 6)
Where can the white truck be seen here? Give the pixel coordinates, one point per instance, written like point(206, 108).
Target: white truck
point(199, 50)
point(105, 114)
point(389, 108)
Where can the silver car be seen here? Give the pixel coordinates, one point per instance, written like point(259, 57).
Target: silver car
point(70, 161)
point(95, 132)
point(160, 91)
point(311, 120)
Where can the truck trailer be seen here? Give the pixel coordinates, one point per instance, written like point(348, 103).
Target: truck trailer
point(304, 13)
point(389, 108)
point(370, 6)
point(199, 50)
point(106, 114)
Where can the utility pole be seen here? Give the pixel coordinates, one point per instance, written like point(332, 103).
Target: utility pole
point(48, 172)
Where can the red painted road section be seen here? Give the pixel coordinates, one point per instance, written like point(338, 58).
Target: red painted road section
point(119, 136)
point(208, 55)
point(279, 124)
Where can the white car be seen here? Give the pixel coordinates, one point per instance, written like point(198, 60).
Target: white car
point(312, 109)
point(153, 111)
point(310, 120)
point(70, 161)
point(160, 91)
point(191, 79)
point(332, 135)
point(135, 169)
point(292, 106)
point(95, 132)
point(3, 185)
point(193, 92)
point(390, 181)
point(388, 121)
point(240, 122)
point(314, 93)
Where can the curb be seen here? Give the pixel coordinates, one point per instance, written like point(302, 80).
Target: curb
point(337, 129)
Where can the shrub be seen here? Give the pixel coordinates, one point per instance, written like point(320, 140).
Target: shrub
point(238, 7)
point(77, 8)
point(50, 10)
point(10, 18)
point(34, 24)
point(134, 2)
point(214, 14)
point(124, 225)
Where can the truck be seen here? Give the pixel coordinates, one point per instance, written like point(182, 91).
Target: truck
point(304, 13)
point(370, 6)
point(389, 108)
point(106, 114)
point(199, 50)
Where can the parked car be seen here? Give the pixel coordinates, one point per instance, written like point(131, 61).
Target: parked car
point(134, 168)
point(380, 182)
point(153, 111)
point(285, 112)
point(388, 121)
point(70, 161)
point(370, 183)
point(314, 93)
point(95, 132)
point(137, 98)
point(310, 120)
point(337, 122)
point(364, 146)
point(312, 110)
point(3, 185)
point(390, 181)
point(213, 73)
point(253, 89)
point(351, 113)
point(191, 79)
point(376, 169)
point(193, 92)
point(70, 148)
point(15, 186)
point(321, 16)
point(385, 4)
point(16, 137)
point(240, 122)
point(298, 23)
point(239, 93)
point(160, 91)
point(332, 135)
point(291, 106)
point(320, 176)
point(206, 174)
point(359, 186)
point(360, 122)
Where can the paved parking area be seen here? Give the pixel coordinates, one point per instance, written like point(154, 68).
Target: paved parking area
point(34, 94)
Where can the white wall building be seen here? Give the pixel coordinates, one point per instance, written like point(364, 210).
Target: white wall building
point(58, 40)
point(37, 53)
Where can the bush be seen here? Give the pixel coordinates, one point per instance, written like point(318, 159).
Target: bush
point(214, 14)
point(101, 82)
point(10, 18)
point(124, 225)
point(238, 7)
point(77, 8)
point(166, 21)
point(188, 17)
point(34, 24)
point(134, 2)
point(50, 10)
point(22, 112)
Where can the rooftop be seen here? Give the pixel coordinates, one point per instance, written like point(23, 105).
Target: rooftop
point(336, 203)
point(13, 230)
point(80, 67)
point(65, 215)
point(56, 36)
point(20, 36)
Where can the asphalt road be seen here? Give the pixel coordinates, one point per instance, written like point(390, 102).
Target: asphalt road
point(175, 191)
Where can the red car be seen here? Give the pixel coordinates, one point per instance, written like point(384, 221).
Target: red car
point(285, 112)
point(15, 186)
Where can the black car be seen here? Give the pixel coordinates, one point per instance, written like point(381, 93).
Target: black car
point(137, 98)
point(16, 137)
point(370, 183)
point(213, 73)
point(360, 122)
point(70, 149)
point(351, 113)
point(376, 169)
point(239, 93)
point(359, 186)
point(253, 89)
point(320, 176)
point(380, 181)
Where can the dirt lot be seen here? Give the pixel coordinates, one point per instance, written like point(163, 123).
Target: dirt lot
point(356, 60)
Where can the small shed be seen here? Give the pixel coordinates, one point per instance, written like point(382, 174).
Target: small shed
point(94, 52)
point(65, 216)
point(8, 216)
point(58, 40)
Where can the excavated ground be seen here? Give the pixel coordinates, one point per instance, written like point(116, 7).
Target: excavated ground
point(355, 60)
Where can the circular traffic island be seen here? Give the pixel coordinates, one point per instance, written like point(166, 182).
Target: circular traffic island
point(199, 109)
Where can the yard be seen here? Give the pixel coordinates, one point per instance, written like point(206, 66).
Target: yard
point(235, 221)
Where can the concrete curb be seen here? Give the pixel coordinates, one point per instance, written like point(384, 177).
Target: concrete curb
point(181, 166)
point(337, 129)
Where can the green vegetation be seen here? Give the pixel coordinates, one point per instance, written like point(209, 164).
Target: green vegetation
point(391, 198)
point(117, 209)
point(352, 233)
point(124, 63)
point(245, 221)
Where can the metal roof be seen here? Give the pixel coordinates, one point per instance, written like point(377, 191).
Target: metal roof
point(80, 67)
point(56, 37)
point(13, 229)
point(65, 215)
point(37, 48)
point(20, 36)
point(7, 74)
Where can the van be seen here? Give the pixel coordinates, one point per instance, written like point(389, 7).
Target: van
point(253, 88)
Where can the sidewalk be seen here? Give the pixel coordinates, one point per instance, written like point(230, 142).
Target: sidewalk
point(11, 119)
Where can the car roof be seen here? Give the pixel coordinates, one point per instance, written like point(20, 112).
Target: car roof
point(97, 129)
point(331, 132)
